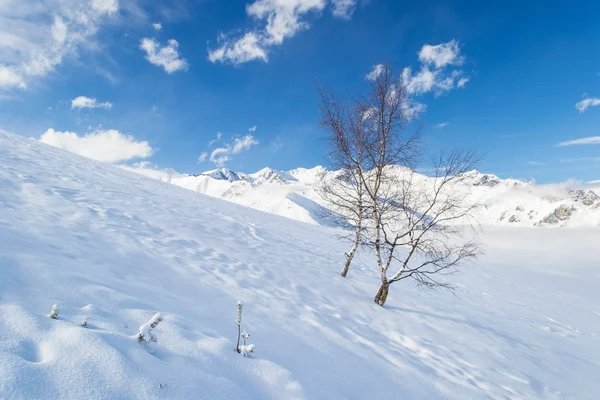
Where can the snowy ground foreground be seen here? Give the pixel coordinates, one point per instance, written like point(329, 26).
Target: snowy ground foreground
point(118, 247)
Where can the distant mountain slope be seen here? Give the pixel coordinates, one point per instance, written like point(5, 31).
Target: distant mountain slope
point(503, 202)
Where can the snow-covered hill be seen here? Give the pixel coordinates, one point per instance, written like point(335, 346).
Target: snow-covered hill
point(503, 202)
point(117, 247)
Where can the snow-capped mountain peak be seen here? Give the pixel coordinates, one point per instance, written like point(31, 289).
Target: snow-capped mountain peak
point(225, 174)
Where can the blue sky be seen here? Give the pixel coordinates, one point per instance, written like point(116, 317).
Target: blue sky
point(530, 78)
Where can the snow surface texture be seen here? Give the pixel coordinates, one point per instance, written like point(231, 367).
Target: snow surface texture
point(117, 248)
point(503, 202)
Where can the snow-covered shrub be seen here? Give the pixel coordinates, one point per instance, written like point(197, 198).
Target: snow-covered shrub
point(246, 350)
point(84, 322)
point(54, 312)
point(145, 333)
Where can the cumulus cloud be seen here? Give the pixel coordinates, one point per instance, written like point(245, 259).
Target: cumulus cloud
point(587, 103)
point(221, 155)
point(279, 20)
point(441, 55)
point(167, 57)
point(438, 73)
point(157, 26)
point(36, 37)
point(102, 145)
point(582, 141)
point(88, 102)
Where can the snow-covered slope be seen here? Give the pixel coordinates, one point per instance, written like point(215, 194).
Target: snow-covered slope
point(118, 247)
point(503, 202)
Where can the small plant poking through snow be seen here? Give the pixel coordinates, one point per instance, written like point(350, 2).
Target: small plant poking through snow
point(244, 349)
point(54, 312)
point(84, 322)
point(145, 334)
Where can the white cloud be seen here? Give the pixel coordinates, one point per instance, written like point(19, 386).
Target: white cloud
point(36, 37)
point(587, 103)
point(441, 125)
point(582, 141)
point(157, 26)
point(247, 48)
point(375, 72)
point(87, 102)
point(253, 129)
point(441, 55)
point(219, 135)
point(203, 156)
point(343, 8)
point(167, 57)
point(9, 78)
point(221, 155)
point(102, 145)
point(436, 73)
point(282, 20)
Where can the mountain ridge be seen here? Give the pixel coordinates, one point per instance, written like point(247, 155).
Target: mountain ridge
point(502, 202)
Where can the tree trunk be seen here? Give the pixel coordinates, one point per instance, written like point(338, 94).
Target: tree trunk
point(382, 294)
point(350, 256)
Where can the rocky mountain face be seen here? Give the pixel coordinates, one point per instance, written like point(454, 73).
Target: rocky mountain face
point(505, 202)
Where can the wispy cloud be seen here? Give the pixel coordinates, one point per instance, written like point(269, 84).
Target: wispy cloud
point(253, 129)
point(375, 72)
point(587, 103)
point(88, 102)
point(281, 20)
point(32, 45)
point(203, 156)
point(343, 8)
point(581, 141)
point(102, 145)
point(167, 57)
point(580, 160)
point(221, 155)
point(536, 163)
point(276, 145)
point(218, 139)
point(440, 125)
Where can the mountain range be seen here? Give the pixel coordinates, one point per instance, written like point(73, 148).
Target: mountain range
point(292, 194)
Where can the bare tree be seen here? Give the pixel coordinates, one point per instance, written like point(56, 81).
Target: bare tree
point(344, 123)
point(426, 224)
point(404, 217)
